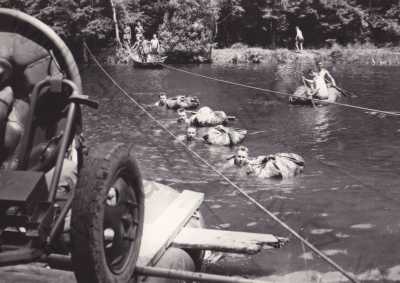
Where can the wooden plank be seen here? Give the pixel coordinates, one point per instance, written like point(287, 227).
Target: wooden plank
point(224, 241)
point(159, 235)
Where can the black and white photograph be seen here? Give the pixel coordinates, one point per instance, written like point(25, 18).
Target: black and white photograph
point(170, 141)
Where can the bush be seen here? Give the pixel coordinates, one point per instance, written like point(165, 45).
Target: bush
point(239, 45)
point(186, 30)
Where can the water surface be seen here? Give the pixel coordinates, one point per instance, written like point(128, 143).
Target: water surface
point(346, 203)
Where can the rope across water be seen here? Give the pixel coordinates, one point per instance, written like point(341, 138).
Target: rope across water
point(279, 92)
point(219, 173)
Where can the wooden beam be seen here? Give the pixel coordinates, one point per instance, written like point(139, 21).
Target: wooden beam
point(39, 274)
point(159, 235)
point(188, 276)
point(225, 241)
point(34, 274)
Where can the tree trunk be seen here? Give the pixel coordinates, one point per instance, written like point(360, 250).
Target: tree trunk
point(115, 22)
point(273, 34)
point(85, 54)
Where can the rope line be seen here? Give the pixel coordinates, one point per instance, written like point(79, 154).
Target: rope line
point(213, 168)
point(279, 92)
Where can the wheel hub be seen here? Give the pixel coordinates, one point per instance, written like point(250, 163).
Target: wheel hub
point(120, 224)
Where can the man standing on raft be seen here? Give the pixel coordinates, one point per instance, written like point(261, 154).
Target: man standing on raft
point(318, 83)
point(324, 74)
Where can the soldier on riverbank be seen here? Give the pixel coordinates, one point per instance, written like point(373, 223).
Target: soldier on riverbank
point(139, 29)
point(155, 45)
point(127, 35)
point(299, 40)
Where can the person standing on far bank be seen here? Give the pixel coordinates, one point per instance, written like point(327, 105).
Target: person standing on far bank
point(299, 39)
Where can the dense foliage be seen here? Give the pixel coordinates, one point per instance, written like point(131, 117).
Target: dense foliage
point(188, 27)
point(272, 22)
point(72, 20)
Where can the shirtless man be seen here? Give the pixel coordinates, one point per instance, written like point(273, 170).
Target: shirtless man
point(299, 39)
point(139, 29)
point(241, 157)
point(155, 45)
point(191, 134)
point(324, 74)
point(182, 116)
point(239, 160)
point(127, 35)
point(162, 99)
point(146, 49)
point(318, 82)
point(316, 86)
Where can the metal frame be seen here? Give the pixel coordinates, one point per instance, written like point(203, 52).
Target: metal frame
point(73, 87)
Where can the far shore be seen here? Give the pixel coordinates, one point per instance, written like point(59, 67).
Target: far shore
point(241, 54)
point(347, 55)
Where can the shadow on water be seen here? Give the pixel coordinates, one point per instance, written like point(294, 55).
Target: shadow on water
point(347, 201)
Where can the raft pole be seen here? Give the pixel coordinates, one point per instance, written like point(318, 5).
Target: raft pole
point(213, 168)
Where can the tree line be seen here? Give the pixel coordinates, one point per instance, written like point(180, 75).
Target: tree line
point(323, 22)
point(188, 27)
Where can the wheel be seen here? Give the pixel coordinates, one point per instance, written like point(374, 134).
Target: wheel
point(107, 216)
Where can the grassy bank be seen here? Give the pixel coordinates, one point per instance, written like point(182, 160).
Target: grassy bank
point(357, 55)
point(361, 55)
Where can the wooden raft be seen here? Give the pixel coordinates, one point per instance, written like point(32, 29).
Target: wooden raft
point(224, 241)
point(158, 236)
point(168, 230)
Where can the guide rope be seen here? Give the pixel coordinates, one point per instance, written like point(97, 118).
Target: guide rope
point(214, 169)
point(279, 92)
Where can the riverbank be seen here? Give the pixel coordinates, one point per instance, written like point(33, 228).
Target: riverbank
point(256, 55)
point(351, 55)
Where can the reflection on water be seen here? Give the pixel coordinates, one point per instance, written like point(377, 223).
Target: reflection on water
point(348, 200)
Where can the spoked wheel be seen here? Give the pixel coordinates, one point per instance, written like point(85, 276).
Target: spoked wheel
point(107, 216)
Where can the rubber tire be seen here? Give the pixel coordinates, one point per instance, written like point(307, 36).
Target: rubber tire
point(99, 173)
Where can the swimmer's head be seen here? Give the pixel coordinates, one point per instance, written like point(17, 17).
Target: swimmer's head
point(163, 97)
point(191, 133)
point(181, 114)
point(195, 99)
point(181, 98)
point(241, 156)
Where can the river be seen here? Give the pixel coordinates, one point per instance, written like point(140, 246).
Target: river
point(347, 202)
